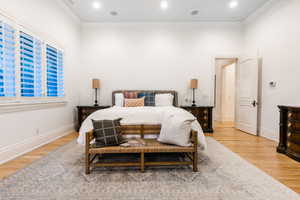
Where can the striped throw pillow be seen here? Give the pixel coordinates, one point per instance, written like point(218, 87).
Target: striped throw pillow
point(134, 102)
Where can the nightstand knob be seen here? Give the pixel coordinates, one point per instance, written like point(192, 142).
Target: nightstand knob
point(205, 111)
point(290, 114)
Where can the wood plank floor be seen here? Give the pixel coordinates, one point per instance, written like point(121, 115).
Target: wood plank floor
point(262, 153)
point(13, 166)
point(259, 151)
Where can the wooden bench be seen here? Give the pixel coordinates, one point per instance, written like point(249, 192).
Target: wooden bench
point(151, 146)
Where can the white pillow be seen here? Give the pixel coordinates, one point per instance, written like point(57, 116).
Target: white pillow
point(176, 129)
point(119, 99)
point(164, 99)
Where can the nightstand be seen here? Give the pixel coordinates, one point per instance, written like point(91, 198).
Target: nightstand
point(204, 116)
point(85, 111)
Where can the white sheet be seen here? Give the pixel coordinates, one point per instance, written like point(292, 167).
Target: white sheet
point(139, 115)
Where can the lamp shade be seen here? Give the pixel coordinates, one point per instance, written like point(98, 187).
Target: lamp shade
point(96, 84)
point(194, 83)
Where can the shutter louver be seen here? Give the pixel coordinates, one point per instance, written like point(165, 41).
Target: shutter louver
point(31, 66)
point(7, 61)
point(55, 73)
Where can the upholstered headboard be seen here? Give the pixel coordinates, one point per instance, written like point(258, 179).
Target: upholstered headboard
point(174, 93)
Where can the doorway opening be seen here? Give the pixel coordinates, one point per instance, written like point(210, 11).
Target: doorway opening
point(225, 92)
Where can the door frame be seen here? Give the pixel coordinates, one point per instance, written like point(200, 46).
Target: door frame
point(260, 67)
point(225, 57)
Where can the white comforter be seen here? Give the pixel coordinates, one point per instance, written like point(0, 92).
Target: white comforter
point(139, 115)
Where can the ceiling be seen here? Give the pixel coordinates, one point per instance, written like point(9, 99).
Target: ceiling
point(150, 10)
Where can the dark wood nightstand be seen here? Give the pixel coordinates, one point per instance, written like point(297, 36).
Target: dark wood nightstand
point(204, 116)
point(85, 111)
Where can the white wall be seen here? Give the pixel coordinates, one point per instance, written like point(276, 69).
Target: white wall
point(155, 56)
point(19, 129)
point(228, 93)
point(274, 34)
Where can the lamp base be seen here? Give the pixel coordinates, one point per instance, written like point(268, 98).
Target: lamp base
point(194, 102)
point(96, 103)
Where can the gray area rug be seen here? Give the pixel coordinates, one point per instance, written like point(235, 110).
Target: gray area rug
point(222, 176)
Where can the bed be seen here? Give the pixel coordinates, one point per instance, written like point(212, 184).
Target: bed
point(146, 122)
point(148, 115)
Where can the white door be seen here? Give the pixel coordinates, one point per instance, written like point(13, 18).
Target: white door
point(247, 95)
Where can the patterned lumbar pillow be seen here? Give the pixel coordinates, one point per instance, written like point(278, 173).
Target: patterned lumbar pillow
point(134, 102)
point(130, 95)
point(107, 132)
point(149, 98)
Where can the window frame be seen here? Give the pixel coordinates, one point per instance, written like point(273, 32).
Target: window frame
point(18, 99)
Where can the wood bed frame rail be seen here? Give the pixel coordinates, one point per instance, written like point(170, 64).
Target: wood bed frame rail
point(152, 146)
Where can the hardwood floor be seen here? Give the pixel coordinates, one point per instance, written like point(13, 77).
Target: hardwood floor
point(262, 153)
point(259, 151)
point(13, 166)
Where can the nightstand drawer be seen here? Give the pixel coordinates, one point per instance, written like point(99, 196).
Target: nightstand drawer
point(85, 111)
point(203, 115)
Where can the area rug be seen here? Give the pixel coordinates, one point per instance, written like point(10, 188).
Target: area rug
point(222, 175)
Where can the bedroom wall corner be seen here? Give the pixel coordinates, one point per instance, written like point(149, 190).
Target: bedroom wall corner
point(272, 33)
point(23, 131)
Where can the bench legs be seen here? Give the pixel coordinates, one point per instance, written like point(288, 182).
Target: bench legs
point(142, 162)
point(195, 160)
point(87, 164)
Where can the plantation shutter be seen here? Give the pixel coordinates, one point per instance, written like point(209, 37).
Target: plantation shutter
point(31, 66)
point(7, 61)
point(55, 72)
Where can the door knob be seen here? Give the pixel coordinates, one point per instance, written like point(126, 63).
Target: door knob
point(254, 103)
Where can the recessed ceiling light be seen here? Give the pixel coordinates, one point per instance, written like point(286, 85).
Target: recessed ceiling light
point(233, 4)
point(96, 5)
point(195, 12)
point(164, 4)
point(114, 13)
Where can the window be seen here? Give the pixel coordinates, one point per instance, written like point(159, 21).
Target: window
point(7, 61)
point(55, 75)
point(31, 66)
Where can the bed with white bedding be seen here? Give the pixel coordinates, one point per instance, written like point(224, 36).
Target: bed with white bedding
point(148, 115)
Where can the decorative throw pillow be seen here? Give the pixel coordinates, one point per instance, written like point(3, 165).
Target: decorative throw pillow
point(164, 99)
point(119, 99)
point(130, 95)
point(176, 129)
point(134, 102)
point(149, 98)
point(107, 132)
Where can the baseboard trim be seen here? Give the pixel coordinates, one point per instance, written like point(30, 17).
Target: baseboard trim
point(269, 134)
point(13, 151)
